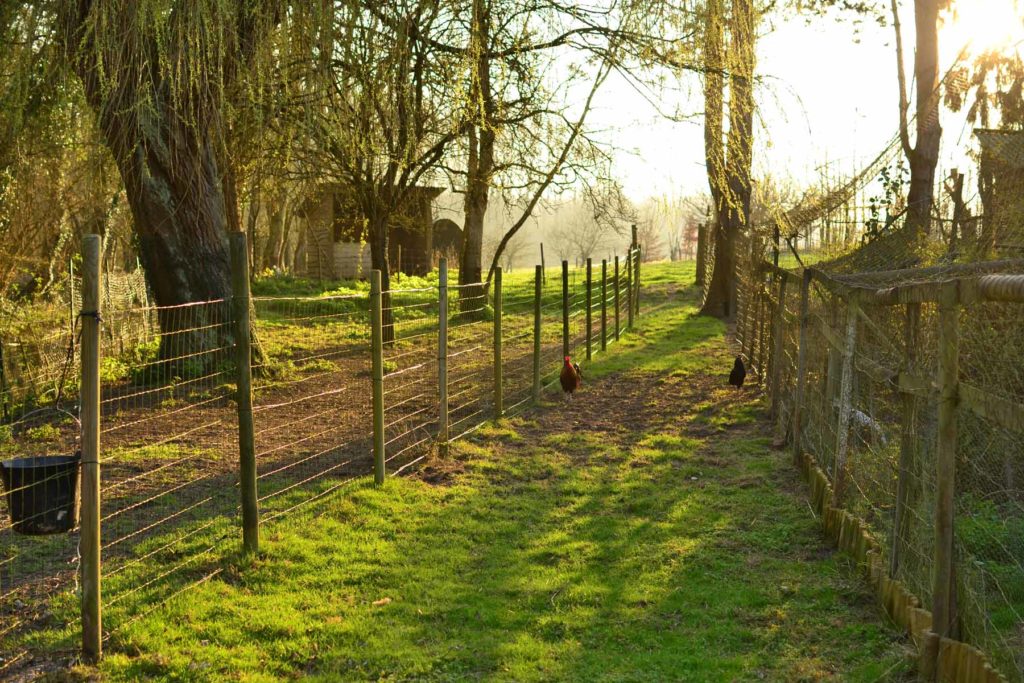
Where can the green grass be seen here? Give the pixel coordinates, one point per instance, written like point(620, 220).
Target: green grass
point(677, 548)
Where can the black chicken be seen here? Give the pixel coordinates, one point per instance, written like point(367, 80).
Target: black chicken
point(738, 374)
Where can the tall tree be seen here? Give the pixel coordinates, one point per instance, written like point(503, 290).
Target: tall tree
point(729, 162)
point(923, 154)
point(380, 116)
point(480, 157)
point(158, 82)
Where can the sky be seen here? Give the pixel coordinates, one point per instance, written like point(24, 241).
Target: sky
point(828, 92)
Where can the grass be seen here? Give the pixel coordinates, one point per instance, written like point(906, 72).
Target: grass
point(645, 532)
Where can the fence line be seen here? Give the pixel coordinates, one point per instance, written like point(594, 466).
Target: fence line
point(195, 408)
point(905, 389)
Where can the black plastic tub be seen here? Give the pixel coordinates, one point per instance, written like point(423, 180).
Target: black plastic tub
point(42, 493)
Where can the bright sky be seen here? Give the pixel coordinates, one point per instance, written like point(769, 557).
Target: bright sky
point(829, 93)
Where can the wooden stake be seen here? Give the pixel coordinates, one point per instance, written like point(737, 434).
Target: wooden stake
point(845, 402)
point(636, 281)
point(377, 374)
point(442, 356)
point(499, 407)
point(779, 348)
point(590, 308)
point(604, 305)
point(565, 308)
point(629, 290)
point(241, 302)
point(617, 307)
point(750, 319)
point(538, 280)
point(90, 542)
point(908, 446)
point(702, 238)
point(947, 379)
point(801, 369)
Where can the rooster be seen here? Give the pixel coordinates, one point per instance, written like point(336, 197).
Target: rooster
point(738, 374)
point(571, 377)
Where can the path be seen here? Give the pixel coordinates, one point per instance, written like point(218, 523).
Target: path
point(646, 532)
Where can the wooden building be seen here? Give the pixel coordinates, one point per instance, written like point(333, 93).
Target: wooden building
point(333, 243)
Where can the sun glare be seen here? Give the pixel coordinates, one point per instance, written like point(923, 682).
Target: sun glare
point(978, 26)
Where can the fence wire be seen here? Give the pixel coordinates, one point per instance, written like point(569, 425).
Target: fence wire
point(869, 415)
point(170, 504)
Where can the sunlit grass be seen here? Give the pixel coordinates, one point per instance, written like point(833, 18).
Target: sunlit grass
point(552, 553)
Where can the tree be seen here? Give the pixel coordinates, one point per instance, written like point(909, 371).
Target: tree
point(480, 158)
point(923, 155)
point(159, 83)
point(729, 163)
point(380, 116)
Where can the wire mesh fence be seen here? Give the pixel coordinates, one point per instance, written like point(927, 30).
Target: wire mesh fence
point(173, 438)
point(883, 381)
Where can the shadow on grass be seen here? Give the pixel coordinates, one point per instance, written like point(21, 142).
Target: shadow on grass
point(559, 553)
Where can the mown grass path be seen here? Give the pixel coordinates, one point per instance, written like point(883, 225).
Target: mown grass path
point(644, 532)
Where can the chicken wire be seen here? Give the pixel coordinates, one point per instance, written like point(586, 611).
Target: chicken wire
point(891, 436)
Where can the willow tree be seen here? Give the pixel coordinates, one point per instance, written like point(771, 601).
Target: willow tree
point(729, 159)
point(161, 78)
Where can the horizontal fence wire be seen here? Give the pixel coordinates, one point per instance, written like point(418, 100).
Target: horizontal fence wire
point(170, 514)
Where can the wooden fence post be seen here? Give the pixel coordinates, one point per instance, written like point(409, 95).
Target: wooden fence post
point(538, 285)
point(943, 596)
point(763, 315)
point(377, 373)
point(617, 286)
point(590, 308)
point(801, 365)
point(845, 401)
point(442, 356)
point(499, 407)
point(702, 238)
point(565, 308)
point(241, 301)
point(636, 281)
point(604, 304)
point(908, 446)
point(834, 359)
point(89, 520)
point(629, 289)
point(779, 348)
point(750, 321)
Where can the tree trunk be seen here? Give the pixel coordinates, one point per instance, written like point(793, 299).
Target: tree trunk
point(923, 157)
point(173, 179)
point(378, 229)
point(273, 253)
point(479, 167)
point(728, 179)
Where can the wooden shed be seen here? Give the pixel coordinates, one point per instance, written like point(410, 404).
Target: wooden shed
point(333, 243)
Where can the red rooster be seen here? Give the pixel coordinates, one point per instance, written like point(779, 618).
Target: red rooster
point(571, 377)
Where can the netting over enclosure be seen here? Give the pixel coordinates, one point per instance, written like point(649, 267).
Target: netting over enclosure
point(176, 430)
